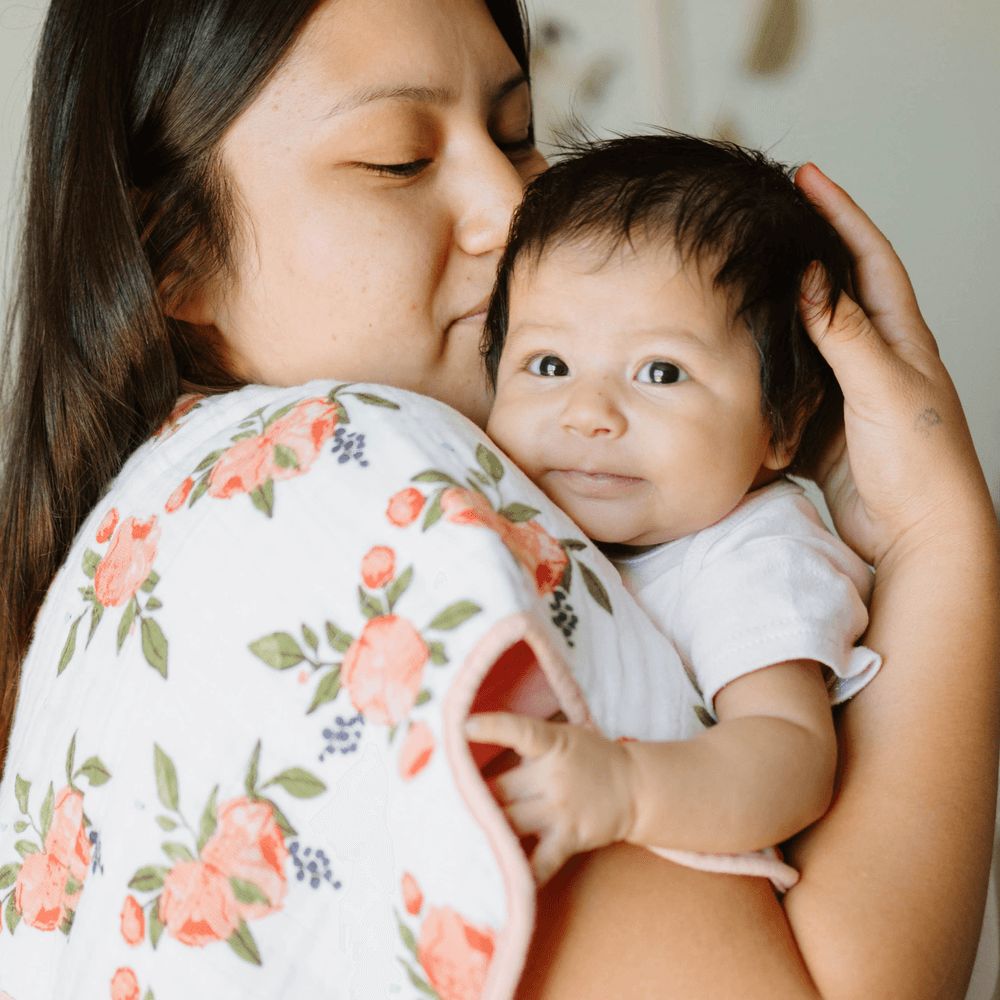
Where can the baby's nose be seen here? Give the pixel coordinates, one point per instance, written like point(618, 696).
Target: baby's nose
point(594, 414)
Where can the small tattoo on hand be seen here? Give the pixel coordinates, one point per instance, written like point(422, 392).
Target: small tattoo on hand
point(927, 419)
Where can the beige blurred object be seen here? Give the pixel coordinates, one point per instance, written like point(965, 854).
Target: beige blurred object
point(775, 38)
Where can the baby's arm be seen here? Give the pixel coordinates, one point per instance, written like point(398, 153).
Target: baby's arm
point(762, 773)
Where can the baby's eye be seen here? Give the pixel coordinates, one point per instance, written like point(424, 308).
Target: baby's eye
point(661, 373)
point(547, 365)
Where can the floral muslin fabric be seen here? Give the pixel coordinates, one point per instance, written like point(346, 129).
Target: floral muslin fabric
point(236, 767)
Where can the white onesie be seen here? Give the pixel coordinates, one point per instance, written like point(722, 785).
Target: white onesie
point(766, 584)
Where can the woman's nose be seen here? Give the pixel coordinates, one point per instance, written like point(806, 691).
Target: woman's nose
point(593, 413)
point(492, 192)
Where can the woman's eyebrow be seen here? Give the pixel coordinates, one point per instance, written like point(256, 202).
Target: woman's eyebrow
point(422, 95)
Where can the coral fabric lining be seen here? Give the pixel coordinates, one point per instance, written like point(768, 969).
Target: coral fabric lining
point(538, 684)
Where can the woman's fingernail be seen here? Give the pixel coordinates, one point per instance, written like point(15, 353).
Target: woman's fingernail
point(815, 284)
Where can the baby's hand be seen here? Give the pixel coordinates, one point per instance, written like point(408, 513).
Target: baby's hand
point(572, 789)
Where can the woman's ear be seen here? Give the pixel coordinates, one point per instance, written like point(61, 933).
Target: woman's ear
point(780, 454)
point(195, 307)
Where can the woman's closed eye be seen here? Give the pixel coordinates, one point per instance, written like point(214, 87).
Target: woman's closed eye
point(409, 169)
point(661, 373)
point(547, 365)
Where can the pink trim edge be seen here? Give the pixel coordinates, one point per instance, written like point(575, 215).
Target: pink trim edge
point(512, 942)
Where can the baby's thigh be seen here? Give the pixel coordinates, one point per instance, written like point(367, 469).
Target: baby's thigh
point(622, 922)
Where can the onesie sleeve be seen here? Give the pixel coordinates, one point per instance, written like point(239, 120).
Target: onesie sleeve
point(774, 586)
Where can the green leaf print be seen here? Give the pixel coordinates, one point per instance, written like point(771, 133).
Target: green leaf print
point(278, 650)
point(420, 984)
point(247, 892)
point(281, 819)
point(209, 460)
point(149, 584)
point(406, 935)
point(298, 782)
point(327, 689)
point(125, 624)
point(518, 512)
point(154, 646)
point(91, 560)
point(11, 916)
point(310, 638)
point(438, 656)
point(454, 615)
point(70, 648)
point(434, 511)
point(284, 457)
point(94, 770)
point(209, 819)
point(148, 878)
point(166, 779)
point(166, 823)
point(96, 614)
point(177, 852)
point(372, 400)
point(250, 782)
point(26, 847)
point(595, 588)
point(46, 813)
point(8, 875)
point(398, 587)
point(263, 498)
point(70, 760)
point(281, 412)
point(489, 463)
point(155, 924)
point(371, 606)
point(572, 544)
point(433, 476)
point(243, 943)
point(199, 490)
point(338, 638)
point(21, 790)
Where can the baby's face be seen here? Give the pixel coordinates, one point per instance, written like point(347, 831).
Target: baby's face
point(628, 395)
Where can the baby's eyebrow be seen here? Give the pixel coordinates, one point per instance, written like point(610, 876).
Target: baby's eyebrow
point(416, 94)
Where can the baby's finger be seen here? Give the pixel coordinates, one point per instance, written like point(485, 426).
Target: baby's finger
point(550, 854)
point(528, 737)
point(528, 815)
point(521, 782)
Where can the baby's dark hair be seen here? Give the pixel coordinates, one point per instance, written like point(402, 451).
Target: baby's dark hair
point(719, 205)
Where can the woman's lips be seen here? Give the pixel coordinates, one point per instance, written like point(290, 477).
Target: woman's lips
point(477, 313)
point(596, 484)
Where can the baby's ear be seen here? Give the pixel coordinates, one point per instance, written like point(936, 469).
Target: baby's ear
point(781, 454)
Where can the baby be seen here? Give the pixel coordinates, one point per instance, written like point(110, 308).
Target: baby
point(653, 377)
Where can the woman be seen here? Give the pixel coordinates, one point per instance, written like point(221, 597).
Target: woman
point(272, 192)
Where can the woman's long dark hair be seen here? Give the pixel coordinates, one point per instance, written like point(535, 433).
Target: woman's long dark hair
point(127, 212)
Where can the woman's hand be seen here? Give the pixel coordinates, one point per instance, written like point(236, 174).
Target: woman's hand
point(571, 789)
point(903, 467)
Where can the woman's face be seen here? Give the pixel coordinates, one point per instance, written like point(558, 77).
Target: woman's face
point(377, 172)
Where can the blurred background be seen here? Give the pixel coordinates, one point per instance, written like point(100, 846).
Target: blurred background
point(896, 101)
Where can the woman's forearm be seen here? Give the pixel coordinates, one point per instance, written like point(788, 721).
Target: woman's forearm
point(895, 874)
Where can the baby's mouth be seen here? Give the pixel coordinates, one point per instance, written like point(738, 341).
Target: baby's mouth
point(595, 482)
